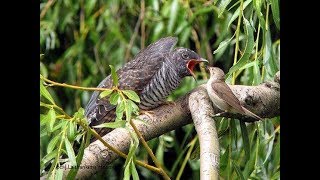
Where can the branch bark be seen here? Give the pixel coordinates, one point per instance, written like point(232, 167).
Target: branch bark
point(263, 100)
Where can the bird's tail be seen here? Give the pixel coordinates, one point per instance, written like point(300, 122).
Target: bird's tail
point(251, 114)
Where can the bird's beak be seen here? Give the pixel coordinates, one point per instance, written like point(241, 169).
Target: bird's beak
point(192, 63)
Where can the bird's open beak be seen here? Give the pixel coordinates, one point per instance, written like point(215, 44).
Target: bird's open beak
point(192, 63)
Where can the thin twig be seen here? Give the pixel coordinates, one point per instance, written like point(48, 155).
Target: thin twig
point(143, 27)
point(53, 83)
point(237, 41)
point(133, 37)
point(145, 144)
point(45, 8)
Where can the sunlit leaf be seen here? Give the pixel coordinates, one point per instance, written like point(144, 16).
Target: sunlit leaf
point(275, 12)
point(105, 93)
point(134, 172)
point(53, 143)
point(248, 48)
point(116, 124)
point(70, 152)
point(131, 95)
point(45, 93)
point(173, 15)
point(51, 119)
point(222, 6)
point(114, 98)
point(236, 13)
point(58, 174)
point(114, 75)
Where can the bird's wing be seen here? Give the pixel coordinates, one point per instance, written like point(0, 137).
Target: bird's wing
point(134, 75)
point(225, 93)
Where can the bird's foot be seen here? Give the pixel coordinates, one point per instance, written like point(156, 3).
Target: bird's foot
point(148, 113)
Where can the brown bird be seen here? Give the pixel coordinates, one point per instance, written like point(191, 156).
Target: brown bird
point(222, 96)
point(153, 74)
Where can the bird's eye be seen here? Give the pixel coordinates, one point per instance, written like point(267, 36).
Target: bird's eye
point(185, 56)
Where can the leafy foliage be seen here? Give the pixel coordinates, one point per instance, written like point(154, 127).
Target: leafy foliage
point(80, 39)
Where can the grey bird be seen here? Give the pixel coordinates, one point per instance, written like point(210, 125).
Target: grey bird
point(222, 96)
point(153, 74)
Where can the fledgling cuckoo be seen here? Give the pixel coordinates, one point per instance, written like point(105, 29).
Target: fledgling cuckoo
point(153, 74)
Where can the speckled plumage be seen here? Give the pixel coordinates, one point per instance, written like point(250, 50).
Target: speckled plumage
point(153, 74)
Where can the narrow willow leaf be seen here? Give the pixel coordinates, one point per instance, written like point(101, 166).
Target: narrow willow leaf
point(257, 6)
point(275, 12)
point(257, 73)
point(131, 95)
point(114, 98)
point(43, 119)
point(52, 144)
point(79, 114)
point(114, 76)
point(59, 174)
point(222, 6)
point(105, 93)
point(70, 152)
point(73, 172)
point(233, 130)
point(120, 109)
point(223, 45)
point(71, 131)
point(236, 13)
point(248, 49)
point(249, 166)
point(225, 159)
point(51, 119)
point(130, 154)
point(117, 124)
point(49, 157)
point(135, 108)
point(127, 172)
point(245, 138)
point(128, 109)
point(268, 60)
point(45, 93)
point(238, 171)
point(134, 172)
point(173, 15)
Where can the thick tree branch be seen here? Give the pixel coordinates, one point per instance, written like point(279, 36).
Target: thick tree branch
point(264, 100)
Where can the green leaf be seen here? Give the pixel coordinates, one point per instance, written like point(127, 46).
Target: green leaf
point(233, 131)
point(59, 174)
point(257, 6)
point(70, 152)
point(45, 93)
point(173, 15)
point(71, 131)
point(52, 143)
point(105, 93)
point(128, 109)
point(48, 157)
point(236, 13)
point(117, 124)
point(114, 98)
point(134, 172)
point(238, 171)
point(222, 6)
point(248, 49)
point(275, 12)
point(131, 95)
point(245, 138)
point(223, 45)
point(119, 110)
point(127, 172)
point(43, 119)
point(114, 76)
point(51, 119)
point(73, 172)
point(268, 60)
point(134, 107)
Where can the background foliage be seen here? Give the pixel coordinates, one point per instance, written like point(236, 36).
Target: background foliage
point(80, 39)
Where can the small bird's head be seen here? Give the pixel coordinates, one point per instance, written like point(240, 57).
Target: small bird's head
point(186, 60)
point(216, 73)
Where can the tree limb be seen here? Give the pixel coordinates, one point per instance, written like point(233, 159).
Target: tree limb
point(263, 100)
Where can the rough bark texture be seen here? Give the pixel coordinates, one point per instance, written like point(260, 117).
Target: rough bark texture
point(263, 100)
